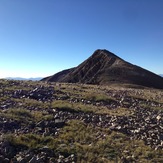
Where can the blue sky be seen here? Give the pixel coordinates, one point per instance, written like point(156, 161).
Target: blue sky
point(42, 37)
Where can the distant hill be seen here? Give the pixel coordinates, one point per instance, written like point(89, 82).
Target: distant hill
point(103, 68)
point(19, 78)
point(161, 75)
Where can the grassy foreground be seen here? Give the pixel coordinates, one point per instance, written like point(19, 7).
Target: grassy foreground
point(79, 123)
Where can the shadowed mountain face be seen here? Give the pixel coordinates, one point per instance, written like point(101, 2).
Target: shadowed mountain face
point(103, 68)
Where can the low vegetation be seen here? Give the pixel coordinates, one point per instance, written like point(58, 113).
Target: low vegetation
point(72, 122)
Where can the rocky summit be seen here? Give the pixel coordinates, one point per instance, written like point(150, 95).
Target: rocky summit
point(103, 68)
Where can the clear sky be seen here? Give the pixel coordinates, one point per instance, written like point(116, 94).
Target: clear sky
point(41, 37)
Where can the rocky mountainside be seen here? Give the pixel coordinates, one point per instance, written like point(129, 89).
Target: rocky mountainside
point(104, 68)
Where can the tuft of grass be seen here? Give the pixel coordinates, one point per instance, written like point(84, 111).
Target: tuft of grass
point(19, 114)
point(99, 97)
point(71, 107)
point(30, 141)
point(117, 111)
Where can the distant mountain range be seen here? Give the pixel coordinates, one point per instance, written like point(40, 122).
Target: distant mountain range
point(104, 68)
point(20, 78)
point(161, 75)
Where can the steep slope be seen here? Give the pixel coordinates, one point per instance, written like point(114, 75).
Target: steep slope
point(104, 67)
point(58, 77)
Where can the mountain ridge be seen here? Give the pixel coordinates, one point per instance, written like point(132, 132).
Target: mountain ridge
point(161, 75)
point(21, 78)
point(103, 68)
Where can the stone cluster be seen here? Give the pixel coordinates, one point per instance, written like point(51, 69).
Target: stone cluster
point(41, 155)
point(40, 93)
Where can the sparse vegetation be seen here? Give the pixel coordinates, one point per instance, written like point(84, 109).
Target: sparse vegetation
point(87, 145)
point(80, 122)
point(99, 97)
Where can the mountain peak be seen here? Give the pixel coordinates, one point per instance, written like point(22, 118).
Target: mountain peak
point(100, 58)
point(103, 52)
point(103, 68)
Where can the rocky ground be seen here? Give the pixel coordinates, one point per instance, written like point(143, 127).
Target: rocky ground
point(53, 122)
